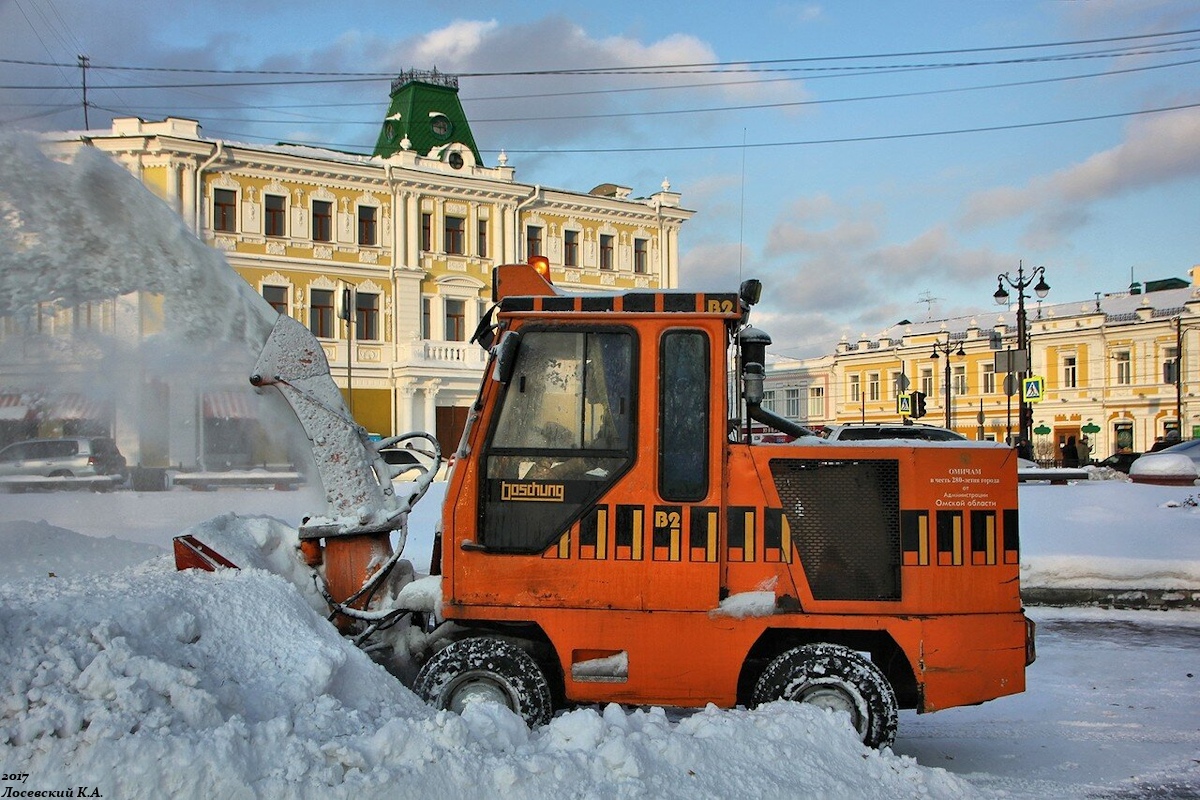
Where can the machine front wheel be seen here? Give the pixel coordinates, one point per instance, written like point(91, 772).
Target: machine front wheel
point(486, 669)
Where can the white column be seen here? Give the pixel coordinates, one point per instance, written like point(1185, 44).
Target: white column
point(187, 208)
point(405, 389)
point(431, 390)
point(172, 197)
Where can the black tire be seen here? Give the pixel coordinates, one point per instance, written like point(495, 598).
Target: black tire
point(834, 677)
point(486, 668)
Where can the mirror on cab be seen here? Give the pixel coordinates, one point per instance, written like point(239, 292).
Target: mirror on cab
point(506, 356)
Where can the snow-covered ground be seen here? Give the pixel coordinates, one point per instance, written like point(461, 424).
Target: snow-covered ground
point(122, 674)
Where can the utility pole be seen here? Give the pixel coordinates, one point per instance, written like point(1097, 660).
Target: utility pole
point(947, 350)
point(1179, 373)
point(348, 309)
point(1001, 296)
point(84, 63)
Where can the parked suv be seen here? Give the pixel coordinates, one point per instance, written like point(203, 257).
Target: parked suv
point(861, 432)
point(70, 457)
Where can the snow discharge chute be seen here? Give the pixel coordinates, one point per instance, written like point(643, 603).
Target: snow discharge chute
point(363, 508)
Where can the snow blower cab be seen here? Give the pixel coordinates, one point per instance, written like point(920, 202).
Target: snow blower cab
point(613, 532)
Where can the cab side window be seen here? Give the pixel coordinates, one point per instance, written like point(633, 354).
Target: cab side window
point(683, 416)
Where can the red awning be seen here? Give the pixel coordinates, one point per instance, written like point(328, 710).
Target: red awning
point(13, 408)
point(228, 405)
point(76, 406)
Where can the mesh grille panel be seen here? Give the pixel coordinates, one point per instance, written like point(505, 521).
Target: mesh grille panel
point(844, 518)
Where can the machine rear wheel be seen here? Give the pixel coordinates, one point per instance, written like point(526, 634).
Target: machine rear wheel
point(486, 669)
point(837, 678)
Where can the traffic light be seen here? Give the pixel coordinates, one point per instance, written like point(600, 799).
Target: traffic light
point(918, 405)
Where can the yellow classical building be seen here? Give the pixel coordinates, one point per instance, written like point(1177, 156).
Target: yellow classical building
point(388, 258)
point(1121, 368)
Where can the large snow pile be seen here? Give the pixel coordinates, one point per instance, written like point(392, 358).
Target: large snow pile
point(151, 683)
point(41, 550)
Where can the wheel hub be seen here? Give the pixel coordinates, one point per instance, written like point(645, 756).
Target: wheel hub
point(477, 688)
point(835, 698)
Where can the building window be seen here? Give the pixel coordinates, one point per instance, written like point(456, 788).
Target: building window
point(1070, 372)
point(426, 233)
point(1124, 368)
point(456, 236)
point(320, 313)
point(225, 210)
point(533, 241)
point(855, 389)
point(768, 401)
point(639, 256)
point(791, 403)
point(277, 296)
point(456, 321)
point(426, 317)
point(989, 378)
point(366, 316)
point(275, 216)
point(606, 252)
point(873, 386)
point(571, 248)
point(816, 402)
point(481, 235)
point(927, 381)
point(893, 385)
point(1123, 436)
point(1170, 365)
point(322, 221)
point(366, 226)
point(960, 380)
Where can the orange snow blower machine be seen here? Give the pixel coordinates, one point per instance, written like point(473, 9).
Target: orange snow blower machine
point(611, 533)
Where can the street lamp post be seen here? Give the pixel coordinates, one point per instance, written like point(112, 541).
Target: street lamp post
point(947, 349)
point(1001, 296)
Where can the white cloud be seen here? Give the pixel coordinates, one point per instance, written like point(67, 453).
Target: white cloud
point(453, 43)
point(1158, 149)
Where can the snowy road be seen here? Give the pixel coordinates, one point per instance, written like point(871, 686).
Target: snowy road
point(1112, 709)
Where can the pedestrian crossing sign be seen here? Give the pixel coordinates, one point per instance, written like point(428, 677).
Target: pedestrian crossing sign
point(904, 405)
point(1033, 389)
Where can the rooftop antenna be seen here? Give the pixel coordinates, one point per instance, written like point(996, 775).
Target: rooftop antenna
point(928, 299)
point(84, 63)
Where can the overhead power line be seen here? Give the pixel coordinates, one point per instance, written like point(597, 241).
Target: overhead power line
point(854, 139)
point(678, 111)
point(635, 69)
point(359, 148)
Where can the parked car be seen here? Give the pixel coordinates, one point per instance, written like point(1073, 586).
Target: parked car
point(409, 462)
point(1119, 461)
point(861, 432)
point(1191, 449)
point(69, 457)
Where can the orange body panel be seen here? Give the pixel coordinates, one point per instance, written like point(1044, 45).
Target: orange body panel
point(932, 568)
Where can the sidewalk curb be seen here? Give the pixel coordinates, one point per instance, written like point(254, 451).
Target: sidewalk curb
point(1112, 598)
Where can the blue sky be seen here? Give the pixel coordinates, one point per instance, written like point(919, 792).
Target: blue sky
point(817, 146)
